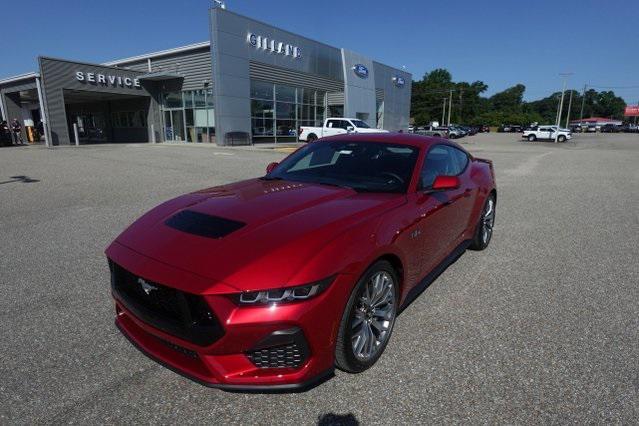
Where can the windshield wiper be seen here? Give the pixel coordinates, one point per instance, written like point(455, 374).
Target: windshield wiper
point(271, 178)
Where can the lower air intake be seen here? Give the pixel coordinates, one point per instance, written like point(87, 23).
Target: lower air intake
point(280, 357)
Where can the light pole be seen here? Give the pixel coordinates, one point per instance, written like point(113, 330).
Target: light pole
point(583, 101)
point(443, 113)
point(565, 75)
point(569, 107)
point(450, 104)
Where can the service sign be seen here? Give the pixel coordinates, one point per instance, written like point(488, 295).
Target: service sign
point(107, 80)
point(632, 111)
point(399, 81)
point(360, 70)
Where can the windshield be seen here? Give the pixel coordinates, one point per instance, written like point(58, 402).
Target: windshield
point(360, 124)
point(362, 166)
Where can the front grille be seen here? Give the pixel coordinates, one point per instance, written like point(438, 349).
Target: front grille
point(175, 312)
point(278, 357)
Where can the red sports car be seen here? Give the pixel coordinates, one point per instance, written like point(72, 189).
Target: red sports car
point(271, 283)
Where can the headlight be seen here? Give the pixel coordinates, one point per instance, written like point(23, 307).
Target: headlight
point(283, 295)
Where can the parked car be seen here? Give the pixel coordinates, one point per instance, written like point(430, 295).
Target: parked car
point(511, 128)
point(438, 132)
point(336, 126)
point(271, 283)
point(484, 129)
point(546, 133)
point(610, 128)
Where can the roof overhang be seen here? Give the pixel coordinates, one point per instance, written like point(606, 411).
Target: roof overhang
point(159, 76)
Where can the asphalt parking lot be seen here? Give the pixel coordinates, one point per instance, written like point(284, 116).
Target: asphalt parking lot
point(543, 327)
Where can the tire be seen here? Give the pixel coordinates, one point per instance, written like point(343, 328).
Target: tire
point(561, 138)
point(352, 335)
point(311, 138)
point(484, 229)
point(532, 138)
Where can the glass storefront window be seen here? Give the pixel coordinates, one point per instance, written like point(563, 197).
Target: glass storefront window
point(285, 110)
point(188, 116)
point(199, 98)
point(172, 100)
point(286, 128)
point(262, 127)
point(261, 90)
point(262, 109)
point(188, 100)
point(209, 98)
point(284, 93)
point(291, 107)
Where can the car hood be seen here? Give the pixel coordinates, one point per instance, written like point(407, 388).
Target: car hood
point(253, 234)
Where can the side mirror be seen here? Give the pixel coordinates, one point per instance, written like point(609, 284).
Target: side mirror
point(350, 129)
point(443, 183)
point(271, 167)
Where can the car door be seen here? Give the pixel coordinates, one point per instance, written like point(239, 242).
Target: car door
point(438, 224)
point(335, 127)
point(544, 133)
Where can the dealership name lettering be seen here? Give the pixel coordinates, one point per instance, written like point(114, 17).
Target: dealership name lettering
point(113, 80)
point(269, 45)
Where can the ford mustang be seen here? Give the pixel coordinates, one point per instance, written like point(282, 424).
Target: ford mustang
point(271, 283)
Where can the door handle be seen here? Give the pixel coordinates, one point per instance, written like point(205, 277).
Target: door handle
point(467, 192)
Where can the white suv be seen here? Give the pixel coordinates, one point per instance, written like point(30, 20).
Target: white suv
point(546, 133)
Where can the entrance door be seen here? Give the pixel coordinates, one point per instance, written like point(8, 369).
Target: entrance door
point(174, 125)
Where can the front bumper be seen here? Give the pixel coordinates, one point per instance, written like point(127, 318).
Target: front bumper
point(241, 359)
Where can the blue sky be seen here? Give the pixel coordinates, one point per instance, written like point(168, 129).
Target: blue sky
point(501, 42)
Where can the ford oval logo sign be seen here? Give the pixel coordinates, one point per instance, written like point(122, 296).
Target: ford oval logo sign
point(399, 81)
point(361, 71)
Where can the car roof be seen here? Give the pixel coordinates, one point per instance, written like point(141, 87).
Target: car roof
point(409, 139)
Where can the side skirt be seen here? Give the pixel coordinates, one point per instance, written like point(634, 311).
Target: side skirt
point(436, 272)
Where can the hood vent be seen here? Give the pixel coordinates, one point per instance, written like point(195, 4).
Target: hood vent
point(202, 224)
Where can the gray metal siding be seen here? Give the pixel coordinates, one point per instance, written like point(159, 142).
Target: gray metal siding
point(396, 99)
point(290, 77)
point(195, 66)
point(335, 98)
point(142, 66)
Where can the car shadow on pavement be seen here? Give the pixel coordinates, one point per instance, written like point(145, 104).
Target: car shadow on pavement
point(23, 179)
point(331, 419)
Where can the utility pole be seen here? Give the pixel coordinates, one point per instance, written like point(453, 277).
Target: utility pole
point(461, 103)
point(443, 113)
point(569, 106)
point(583, 101)
point(561, 102)
point(450, 105)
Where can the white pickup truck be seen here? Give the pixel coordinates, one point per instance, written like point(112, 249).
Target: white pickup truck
point(546, 133)
point(336, 126)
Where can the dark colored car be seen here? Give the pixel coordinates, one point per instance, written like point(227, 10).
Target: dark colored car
point(610, 128)
point(271, 283)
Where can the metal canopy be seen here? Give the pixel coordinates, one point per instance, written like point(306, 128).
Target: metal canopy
point(159, 76)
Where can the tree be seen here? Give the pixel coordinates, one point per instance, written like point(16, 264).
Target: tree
point(505, 107)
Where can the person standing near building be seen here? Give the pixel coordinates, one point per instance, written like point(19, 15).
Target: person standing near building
point(17, 131)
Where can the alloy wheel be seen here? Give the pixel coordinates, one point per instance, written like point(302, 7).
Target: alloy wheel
point(488, 221)
point(373, 316)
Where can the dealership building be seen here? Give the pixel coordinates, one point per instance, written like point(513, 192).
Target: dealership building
point(251, 83)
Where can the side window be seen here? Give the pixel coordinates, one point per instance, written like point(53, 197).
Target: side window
point(332, 124)
point(343, 124)
point(441, 160)
point(462, 160)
